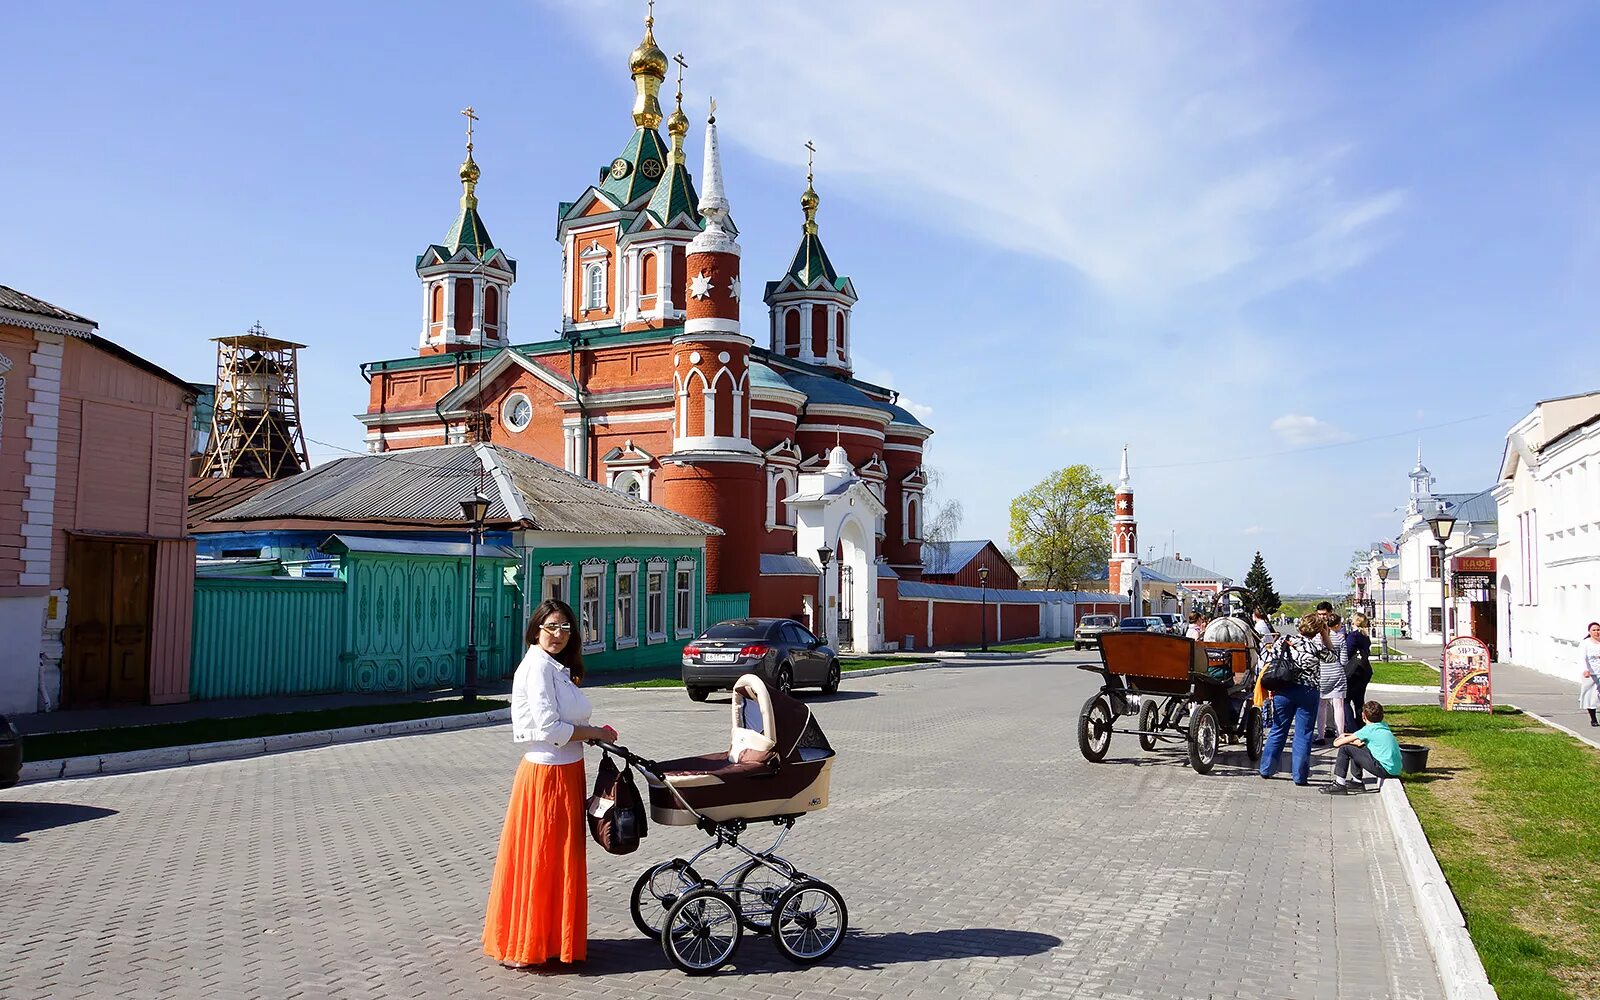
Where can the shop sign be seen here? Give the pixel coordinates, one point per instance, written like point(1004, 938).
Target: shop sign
point(1473, 564)
point(1464, 682)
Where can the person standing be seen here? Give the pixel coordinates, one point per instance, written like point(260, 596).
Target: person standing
point(1589, 673)
point(1296, 703)
point(1196, 627)
point(1358, 664)
point(539, 898)
point(1330, 713)
point(1261, 623)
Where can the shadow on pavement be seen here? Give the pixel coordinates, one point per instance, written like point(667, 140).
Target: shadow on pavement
point(757, 955)
point(18, 818)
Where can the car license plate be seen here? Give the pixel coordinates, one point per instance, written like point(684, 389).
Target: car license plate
point(719, 657)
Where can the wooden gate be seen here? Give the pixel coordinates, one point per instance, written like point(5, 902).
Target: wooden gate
point(107, 649)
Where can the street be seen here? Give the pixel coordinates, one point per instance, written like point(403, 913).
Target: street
point(980, 856)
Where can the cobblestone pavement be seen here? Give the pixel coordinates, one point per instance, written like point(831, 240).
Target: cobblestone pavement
point(979, 854)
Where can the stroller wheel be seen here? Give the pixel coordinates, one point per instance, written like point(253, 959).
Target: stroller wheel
point(756, 888)
point(702, 931)
point(809, 921)
point(657, 890)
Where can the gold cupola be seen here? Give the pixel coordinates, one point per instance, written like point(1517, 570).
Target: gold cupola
point(648, 66)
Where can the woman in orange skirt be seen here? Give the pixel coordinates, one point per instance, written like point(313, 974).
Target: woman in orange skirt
point(539, 899)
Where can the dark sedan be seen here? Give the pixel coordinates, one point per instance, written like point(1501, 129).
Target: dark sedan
point(780, 651)
point(1147, 624)
point(10, 753)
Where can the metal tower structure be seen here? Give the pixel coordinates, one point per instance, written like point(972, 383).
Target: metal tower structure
point(255, 428)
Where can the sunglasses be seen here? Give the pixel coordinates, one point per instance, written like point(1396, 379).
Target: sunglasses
point(556, 629)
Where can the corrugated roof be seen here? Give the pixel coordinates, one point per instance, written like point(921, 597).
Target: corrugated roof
point(949, 558)
point(22, 302)
point(775, 564)
point(211, 495)
point(340, 543)
point(1174, 570)
point(426, 485)
point(1479, 508)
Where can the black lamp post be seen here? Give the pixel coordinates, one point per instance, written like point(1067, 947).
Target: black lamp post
point(1443, 524)
point(983, 623)
point(824, 554)
point(1380, 569)
point(473, 512)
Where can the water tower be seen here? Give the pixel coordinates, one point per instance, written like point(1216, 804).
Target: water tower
point(255, 428)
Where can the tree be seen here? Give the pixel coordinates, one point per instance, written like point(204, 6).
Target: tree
point(1061, 528)
point(941, 518)
point(1259, 582)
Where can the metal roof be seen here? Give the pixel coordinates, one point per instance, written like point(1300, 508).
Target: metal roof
point(22, 302)
point(1175, 570)
point(426, 485)
point(948, 558)
point(1478, 508)
point(340, 544)
point(774, 564)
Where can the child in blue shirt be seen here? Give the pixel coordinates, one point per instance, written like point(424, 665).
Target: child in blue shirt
point(1370, 748)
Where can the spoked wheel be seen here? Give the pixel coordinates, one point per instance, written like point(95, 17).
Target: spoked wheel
point(1203, 738)
point(1149, 721)
point(702, 931)
point(785, 679)
point(809, 921)
point(756, 888)
point(831, 685)
point(657, 890)
point(1255, 734)
point(1094, 728)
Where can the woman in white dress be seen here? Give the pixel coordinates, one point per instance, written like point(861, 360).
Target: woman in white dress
point(1589, 673)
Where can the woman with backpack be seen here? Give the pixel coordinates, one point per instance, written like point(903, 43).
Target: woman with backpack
point(1293, 676)
point(1358, 664)
point(539, 898)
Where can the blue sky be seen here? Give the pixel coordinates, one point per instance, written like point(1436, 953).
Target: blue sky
point(1269, 246)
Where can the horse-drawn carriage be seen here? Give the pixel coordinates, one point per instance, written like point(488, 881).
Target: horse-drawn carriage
point(1195, 692)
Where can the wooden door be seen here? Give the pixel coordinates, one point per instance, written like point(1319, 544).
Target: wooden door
point(1485, 626)
point(107, 648)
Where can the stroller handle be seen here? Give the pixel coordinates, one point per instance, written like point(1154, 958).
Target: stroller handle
point(642, 763)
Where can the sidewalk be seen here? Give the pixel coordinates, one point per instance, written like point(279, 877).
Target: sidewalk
point(1531, 690)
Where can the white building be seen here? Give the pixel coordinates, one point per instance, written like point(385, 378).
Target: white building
point(1415, 583)
point(1548, 554)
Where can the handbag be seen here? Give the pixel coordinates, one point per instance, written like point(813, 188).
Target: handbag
point(616, 809)
point(1282, 672)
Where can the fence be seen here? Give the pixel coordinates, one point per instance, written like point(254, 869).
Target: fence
point(721, 607)
point(259, 637)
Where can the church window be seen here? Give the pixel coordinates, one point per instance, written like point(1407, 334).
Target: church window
point(913, 519)
point(680, 276)
point(649, 275)
point(791, 330)
point(629, 483)
point(517, 412)
point(819, 333)
point(463, 317)
point(838, 334)
point(436, 312)
point(491, 311)
point(594, 286)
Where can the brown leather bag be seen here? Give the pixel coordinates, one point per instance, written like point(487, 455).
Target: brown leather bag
point(616, 809)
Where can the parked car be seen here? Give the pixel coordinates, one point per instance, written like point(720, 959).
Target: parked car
point(1088, 631)
point(10, 753)
point(1147, 624)
point(780, 651)
point(1173, 621)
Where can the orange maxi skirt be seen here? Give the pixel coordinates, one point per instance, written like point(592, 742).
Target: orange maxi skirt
point(539, 899)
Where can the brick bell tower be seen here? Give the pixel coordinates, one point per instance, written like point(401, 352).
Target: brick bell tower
point(714, 472)
point(1124, 534)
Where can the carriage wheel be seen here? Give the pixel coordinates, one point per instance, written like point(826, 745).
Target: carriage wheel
point(1255, 733)
point(1149, 722)
point(1203, 733)
point(809, 921)
point(756, 888)
point(701, 931)
point(657, 890)
point(1094, 728)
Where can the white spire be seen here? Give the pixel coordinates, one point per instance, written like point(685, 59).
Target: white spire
point(713, 202)
point(1124, 476)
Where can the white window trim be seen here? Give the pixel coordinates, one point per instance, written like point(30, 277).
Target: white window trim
point(556, 571)
point(629, 569)
point(656, 567)
point(588, 300)
point(595, 571)
point(505, 412)
point(640, 476)
point(678, 631)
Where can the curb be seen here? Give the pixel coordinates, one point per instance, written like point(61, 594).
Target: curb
point(130, 761)
point(1556, 725)
point(1460, 968)
point(1403, 688)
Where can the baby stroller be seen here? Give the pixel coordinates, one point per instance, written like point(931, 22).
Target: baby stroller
point(776, 771)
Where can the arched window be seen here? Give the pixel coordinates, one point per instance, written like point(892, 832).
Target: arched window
point(629, 483)
point(436, 310)
point(649, 275)
point(819, 332)
point(463, 317)
point(791, 330)
point(491, 311)
point(594, 286)
point(914, 519)
point(838, 335)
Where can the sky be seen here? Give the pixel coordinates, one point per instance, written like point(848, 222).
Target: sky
point(1269, 247)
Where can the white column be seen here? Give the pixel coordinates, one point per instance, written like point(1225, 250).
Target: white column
point(833, 338)
point(664, 282)
point(477, 308)
point(447, 333)
point(710, 395)
point(427, 303)
point(805, 334)
point(505, 314)
point(844, 340)
point(633, 285)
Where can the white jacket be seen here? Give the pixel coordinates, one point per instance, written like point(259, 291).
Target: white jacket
point(545, 706)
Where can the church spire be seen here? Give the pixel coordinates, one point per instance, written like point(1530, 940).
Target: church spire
point(468, 230)
point(647, 64)
point(810, 260)
point(713, 202)
point(1122, 479)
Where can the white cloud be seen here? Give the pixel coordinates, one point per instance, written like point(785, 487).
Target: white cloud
point(1254, 529)
point(1151, 148)
point(1302, 431)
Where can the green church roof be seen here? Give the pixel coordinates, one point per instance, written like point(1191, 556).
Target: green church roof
point(468, 231)
point(674, 196)
point(811, 262)
point(638, 179)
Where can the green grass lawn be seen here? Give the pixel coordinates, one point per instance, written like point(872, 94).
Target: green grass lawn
point(1510, 808)
point(650, 682)
point(50, 746)
point(1032, 647)
point(1404, 672)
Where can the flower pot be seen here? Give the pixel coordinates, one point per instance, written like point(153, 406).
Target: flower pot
point(1413, 757)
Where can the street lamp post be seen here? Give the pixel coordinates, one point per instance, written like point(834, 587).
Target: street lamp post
point(1383, 615)
point(1443, 524)
point(473, 512)
point(983, 622)
point(823, 555)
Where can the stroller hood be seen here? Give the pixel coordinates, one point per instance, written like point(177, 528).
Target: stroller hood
point(770, 725)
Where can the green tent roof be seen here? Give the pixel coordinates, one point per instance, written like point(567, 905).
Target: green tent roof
point(674, 196)
point(811, 262)
point(468, 231)
point(636, 179)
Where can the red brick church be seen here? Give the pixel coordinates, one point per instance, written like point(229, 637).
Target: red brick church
point(658, 387)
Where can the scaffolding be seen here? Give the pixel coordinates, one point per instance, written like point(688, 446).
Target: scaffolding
point(255, 427)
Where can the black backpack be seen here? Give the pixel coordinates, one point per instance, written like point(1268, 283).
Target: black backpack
point(616, 810)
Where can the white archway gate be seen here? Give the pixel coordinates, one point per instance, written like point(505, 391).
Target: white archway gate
point(837, 512)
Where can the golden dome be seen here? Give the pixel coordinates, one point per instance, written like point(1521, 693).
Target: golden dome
point(678, 123)
point(648, 58)
point(809, 200)
point(469, 181)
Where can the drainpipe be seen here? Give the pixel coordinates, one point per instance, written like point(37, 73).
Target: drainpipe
point(577, 389)
point(439, 412)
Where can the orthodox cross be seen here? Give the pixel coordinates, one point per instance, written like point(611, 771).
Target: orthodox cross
point(811, 151)
point(681, 67)
point(471, 116)
point(650, 16)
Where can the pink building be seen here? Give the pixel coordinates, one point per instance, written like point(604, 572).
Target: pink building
point(96, 566)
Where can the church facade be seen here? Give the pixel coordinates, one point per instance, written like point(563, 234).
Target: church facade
point(661, 385)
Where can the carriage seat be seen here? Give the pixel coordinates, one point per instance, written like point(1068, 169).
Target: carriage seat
point(710, 769)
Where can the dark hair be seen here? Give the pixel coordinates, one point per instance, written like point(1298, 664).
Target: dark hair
point(1589, 626)
point(1373, 711)
point(1324, 606)
point(571, 655)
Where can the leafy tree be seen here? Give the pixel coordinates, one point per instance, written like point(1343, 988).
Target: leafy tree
point(1061, 528)
point(1259, 582)
point(941, 518)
